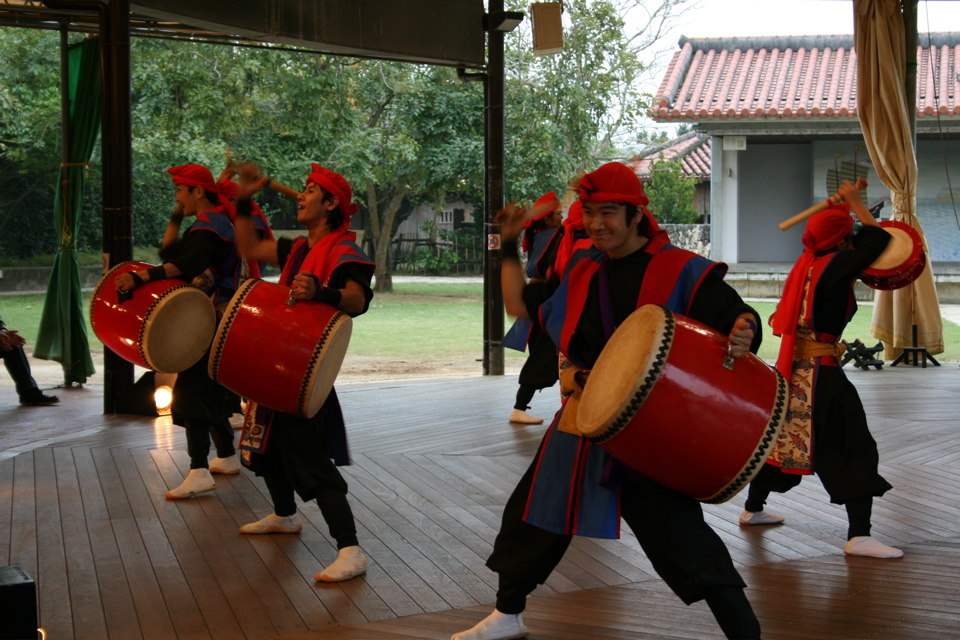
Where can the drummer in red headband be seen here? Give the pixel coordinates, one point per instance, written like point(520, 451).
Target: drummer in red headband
point(325, 266)
point(206, 257)
point(574, 487)
point(827, 433)
point(541, 237)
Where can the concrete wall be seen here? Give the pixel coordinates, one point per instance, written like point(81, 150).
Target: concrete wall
point(777, 181)
point(36, 278)
point(774, 185)
point(770, 285)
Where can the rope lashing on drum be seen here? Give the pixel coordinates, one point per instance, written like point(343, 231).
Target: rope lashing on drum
point(572, 381)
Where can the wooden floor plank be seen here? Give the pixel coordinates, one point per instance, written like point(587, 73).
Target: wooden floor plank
point(204, 586)
point(239, 594)
point(379, 525)
point(127, 563)
point(53, 592)
point(85, 600)
point(447, 547)
point(23, 518)
point(119, 608)
point(6, 508)
point(155, 619)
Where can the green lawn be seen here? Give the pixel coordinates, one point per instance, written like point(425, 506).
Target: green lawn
point(859, 328)
point(426, 320)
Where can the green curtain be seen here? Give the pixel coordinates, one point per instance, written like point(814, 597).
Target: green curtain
point(62, 335)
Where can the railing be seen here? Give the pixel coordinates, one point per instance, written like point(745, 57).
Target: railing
point(460, 255)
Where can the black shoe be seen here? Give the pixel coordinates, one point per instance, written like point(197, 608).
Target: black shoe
point(36, 398)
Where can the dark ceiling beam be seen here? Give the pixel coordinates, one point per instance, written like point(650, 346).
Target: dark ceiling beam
point(448, 33)
point(444, 32)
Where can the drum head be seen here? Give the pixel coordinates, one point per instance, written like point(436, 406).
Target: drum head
point(178, 329)
point(901, 262)
point(325, 365)
point(631, 361)
point(902, 249)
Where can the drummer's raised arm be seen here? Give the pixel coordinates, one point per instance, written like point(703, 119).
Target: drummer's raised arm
point(249, 243)
point(851, 196)
point(172, 233)
point(510, 223)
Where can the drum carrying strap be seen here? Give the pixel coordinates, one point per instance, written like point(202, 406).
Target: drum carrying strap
point(572, 378)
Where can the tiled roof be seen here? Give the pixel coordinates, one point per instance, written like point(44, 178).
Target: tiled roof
point(691, 149)
point(792, 77)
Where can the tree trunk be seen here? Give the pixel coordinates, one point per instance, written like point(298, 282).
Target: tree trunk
point(382, 230)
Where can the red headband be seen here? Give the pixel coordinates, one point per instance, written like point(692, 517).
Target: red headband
point(613, 182)
point(194, 175)
point(336, 185)
point(546, 200)
point(827, 228)
point(228, 188)
point(574, 219)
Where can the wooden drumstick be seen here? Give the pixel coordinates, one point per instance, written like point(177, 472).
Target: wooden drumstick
point(290, 192)
point(820, 206)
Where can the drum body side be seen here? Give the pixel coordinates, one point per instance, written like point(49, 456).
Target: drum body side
point(116, 327)
point(165, 325)
point(702, 429)
point(269, 351)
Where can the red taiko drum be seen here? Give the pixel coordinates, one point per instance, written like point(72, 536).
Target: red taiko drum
point(901, 262)
point(166, 325)
point(660, 400)
point(283, 356)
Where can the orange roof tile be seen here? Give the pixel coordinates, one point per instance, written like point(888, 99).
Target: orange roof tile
point(691, 149)
point(792, 77)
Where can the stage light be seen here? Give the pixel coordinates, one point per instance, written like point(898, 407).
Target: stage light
point(163, 397)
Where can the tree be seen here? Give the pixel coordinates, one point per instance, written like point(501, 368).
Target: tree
point(402, 134)
point(199, 103)
point(29, 141)
point(671, 193)
point(571, 111)
point(419, 139)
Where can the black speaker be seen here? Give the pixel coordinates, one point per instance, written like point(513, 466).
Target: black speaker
point(138, 401)
point(18, 604)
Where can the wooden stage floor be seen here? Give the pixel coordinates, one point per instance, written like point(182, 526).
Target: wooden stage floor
point(82, 511)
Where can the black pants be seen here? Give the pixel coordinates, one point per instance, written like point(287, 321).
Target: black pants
point(771, 479)
point(296, 459)
point(202, 407)
point(540, 369)
point(684, 550)
point(524, 395)
point(18, 367)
